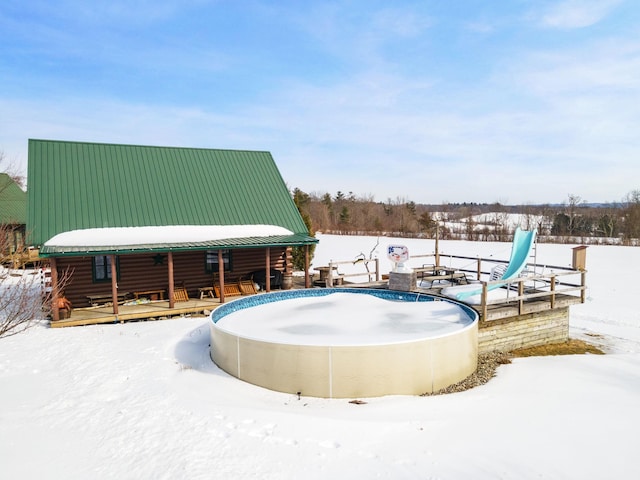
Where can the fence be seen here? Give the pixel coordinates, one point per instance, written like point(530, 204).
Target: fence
point(329, 275)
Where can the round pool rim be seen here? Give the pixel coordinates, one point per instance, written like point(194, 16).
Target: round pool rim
point(424, 365)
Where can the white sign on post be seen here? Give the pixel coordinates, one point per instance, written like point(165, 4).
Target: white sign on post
point(399, 254)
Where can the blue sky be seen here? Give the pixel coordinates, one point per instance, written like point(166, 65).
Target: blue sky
point(431, 101)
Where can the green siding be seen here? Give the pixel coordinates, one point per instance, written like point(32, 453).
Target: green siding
point(87, 185)
point(13, 202)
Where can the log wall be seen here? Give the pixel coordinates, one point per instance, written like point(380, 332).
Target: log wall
point(142, 272)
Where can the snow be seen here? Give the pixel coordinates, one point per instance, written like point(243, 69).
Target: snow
point(143, 400)
point(126, 236)
point(330, 320)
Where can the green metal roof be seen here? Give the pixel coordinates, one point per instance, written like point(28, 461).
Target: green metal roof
point(13, 202)
point(75, 186)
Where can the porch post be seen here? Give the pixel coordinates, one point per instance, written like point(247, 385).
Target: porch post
point(221, 274)
point(55, 311)
point(114, 284)
point(438, 238)
point(267, 277)
point(307, 280)
point(172, 301)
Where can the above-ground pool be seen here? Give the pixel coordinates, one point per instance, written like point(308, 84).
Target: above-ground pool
point(346, 342)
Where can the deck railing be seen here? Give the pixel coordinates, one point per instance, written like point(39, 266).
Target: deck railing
point(552, 282)
point(332, 273)
point(545, 286)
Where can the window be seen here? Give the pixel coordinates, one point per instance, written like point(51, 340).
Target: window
point(211, 260)
point(102, 268)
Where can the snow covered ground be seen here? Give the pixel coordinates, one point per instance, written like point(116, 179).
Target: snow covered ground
point(143, 400)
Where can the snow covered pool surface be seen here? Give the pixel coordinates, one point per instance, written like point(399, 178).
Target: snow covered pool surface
point(330, 320)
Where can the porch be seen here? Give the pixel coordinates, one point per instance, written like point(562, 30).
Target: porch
point(156, 310)
point(153, 310)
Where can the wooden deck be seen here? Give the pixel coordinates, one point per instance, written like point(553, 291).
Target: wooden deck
point(159, 309)
point(521, 301)
point(153, 310)
point(516, 308)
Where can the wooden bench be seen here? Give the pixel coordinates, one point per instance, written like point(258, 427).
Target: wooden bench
point(152, 294)
point(104, 299)
point(336, 278)
point(206, 292)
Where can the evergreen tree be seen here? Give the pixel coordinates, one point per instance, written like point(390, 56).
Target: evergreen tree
point(302, 200)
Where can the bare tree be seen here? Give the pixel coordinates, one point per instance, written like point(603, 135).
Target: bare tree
point(574, 219)
point(11, 170)
point(25, 296)
point(362, 258)
point(21, 301)
point(632, 217)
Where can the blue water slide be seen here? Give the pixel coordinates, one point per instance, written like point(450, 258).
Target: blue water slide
point(523, 241)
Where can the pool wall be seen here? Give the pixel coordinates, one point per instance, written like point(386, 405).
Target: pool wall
point(424, 365)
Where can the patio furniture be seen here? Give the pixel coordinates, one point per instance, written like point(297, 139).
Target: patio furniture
point(206, 292)
point(180, 294)
point(102, 299)
point(151, 294)
point(260, 277)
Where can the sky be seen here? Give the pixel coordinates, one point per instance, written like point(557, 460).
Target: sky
point(518, 102)
point(143, 400)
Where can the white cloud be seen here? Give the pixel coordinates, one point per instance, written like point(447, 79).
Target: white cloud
point(400, 21)
point(577, 13)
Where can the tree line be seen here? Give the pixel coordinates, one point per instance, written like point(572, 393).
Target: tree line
point(572, 220)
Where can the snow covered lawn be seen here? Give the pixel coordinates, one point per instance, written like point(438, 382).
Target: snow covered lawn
point(144, 401)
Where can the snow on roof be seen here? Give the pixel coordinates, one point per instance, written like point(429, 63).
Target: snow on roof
point(169, 234)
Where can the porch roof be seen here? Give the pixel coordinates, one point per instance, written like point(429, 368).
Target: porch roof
point(123, 240)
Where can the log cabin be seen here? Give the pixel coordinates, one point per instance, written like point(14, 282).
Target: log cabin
point(126, 221)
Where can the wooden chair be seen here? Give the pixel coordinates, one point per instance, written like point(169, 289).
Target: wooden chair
point(247, 287)
point(180, 294)
point(234, 287)
point(230, 289)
